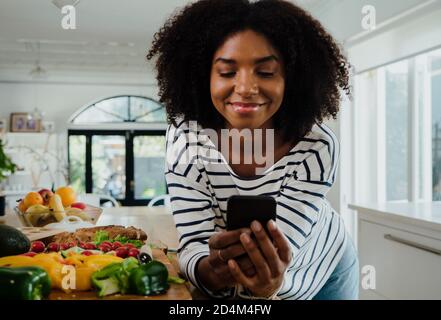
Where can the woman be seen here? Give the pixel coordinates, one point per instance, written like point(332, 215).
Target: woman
point(237, 66)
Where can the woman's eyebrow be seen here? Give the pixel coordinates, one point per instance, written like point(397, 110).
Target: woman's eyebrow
point(256, 61)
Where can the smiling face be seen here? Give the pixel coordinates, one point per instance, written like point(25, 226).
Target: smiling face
point(247, 81)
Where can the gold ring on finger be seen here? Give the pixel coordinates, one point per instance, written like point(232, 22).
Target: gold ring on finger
point(220, 256)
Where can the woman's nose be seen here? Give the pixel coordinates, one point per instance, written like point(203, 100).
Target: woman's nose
point(246, 85)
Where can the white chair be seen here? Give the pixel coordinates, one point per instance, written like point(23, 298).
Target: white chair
point(94, 199)
point(164, 197)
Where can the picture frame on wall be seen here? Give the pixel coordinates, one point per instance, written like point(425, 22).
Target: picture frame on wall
point(22, 122)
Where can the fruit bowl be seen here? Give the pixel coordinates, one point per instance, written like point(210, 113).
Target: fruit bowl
point(55, 208)
point(42, 219)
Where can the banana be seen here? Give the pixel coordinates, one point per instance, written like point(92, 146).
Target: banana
point(37, 209)
point(56, 205)
point(38, 215)
point(77, 212)
point(38, 219)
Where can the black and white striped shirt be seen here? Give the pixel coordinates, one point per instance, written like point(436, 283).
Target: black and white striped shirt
point(200, 181)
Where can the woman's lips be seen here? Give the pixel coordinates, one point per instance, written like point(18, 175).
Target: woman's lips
point(245, 108)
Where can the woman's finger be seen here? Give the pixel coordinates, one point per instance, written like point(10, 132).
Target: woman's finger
point(246, 265)
point(267, 248)
point(233, 251)
point(262, 269)
point(280, 241)
point(222, 240)
point(238, 275)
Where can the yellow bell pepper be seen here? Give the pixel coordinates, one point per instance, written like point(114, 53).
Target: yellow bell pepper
point(53, 264)
point(16, 261)
point(76, 260)
point(83, 279)
point(100, 261)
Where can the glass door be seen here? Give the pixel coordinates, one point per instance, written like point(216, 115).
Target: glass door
point(148, 165)
point(109, 165)
point(125, 164)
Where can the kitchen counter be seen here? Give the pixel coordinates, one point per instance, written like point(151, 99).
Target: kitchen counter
point(422, 214)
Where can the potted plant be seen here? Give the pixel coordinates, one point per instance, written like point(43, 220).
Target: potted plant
point(6, 168)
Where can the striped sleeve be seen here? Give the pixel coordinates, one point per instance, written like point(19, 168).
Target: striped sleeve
point(191, 202)
point(302, 214)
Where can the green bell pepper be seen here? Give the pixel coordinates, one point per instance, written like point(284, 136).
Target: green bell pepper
point(114, 278)
point(24, 283)
point(105, 280)
point(149, 279)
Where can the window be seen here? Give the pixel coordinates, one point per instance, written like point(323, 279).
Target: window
point(436, 124)
point(396, 108)
point(121, 109)
point(398, 131)
point(117, 147)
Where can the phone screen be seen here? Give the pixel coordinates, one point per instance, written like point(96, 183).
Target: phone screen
point(242, 210)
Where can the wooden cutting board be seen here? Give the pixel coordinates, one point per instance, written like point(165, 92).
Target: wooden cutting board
point(175, 292)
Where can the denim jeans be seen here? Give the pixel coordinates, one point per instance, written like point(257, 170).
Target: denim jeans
point(344, 280)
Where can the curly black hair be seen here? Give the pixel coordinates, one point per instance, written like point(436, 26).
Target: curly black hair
point(315, 67)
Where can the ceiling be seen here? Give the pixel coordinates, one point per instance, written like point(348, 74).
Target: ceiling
point(111, 35)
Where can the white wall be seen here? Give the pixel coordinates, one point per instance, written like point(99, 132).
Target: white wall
point(60, 100)
point(343, 17)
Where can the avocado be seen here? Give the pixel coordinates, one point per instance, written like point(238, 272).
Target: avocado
point(12, 241)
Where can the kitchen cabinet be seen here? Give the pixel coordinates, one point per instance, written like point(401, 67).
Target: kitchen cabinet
point(401, 242)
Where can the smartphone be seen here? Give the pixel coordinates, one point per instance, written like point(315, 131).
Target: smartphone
point(242, 210)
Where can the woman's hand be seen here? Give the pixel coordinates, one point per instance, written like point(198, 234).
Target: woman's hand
point(270, 258)
point(213, 270)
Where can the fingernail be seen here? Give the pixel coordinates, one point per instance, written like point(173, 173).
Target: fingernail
point(245, 238)
point(231, 264)
point(272, 226)
point(256, 226)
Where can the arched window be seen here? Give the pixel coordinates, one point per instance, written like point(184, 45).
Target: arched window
point(121, 109)
point(117, 147)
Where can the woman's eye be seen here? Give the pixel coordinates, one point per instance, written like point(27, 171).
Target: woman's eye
point(227, 74)
point(265, 74)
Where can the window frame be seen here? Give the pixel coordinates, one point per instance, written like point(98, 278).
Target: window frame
point(93, 104)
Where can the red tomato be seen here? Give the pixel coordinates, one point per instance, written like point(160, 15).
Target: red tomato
point(104, 247)
point(86, 253)
point(133, 252)
point(89, 246)
point(122, 252)
point(107, 243)
point(53, 247)
point(129, 245)
point(64, 246)
point(37, 246)
point(72, 244)
point(116, 245)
